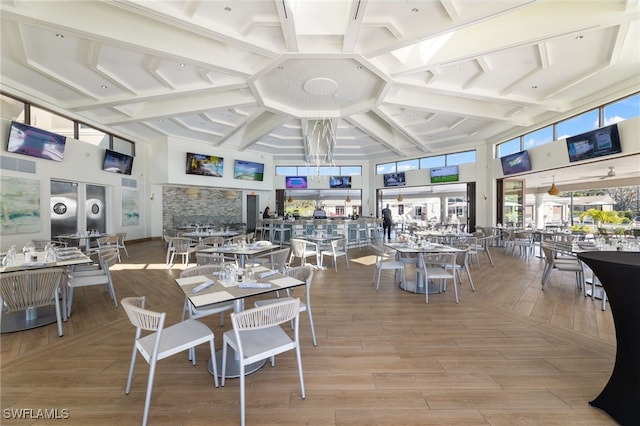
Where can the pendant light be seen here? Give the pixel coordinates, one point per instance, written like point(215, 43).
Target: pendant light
point(289, 200)
point(554, 189)
point(400, 198)
point(348, 199)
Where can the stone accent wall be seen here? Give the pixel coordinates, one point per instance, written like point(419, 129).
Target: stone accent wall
point(192, 205)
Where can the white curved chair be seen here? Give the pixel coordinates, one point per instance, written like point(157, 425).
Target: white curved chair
point(257, 335)
point(384, 263)
point(303, 273)
point(302, 249)
point(107, 257)
point(23, 290)
point(182, 247)
point(441, 267)
point(163, 342)
point(337, 249)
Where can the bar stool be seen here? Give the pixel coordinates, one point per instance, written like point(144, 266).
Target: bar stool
point(278, 232)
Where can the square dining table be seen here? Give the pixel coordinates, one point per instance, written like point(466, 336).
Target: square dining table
point(230, 290)
point(419, 286)
point(242, 252)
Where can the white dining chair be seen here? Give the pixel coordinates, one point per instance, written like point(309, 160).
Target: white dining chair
point(302, 273)
point(439, 267)
point(98, 275)
point(257, 335)
point(29, 290)
point(338, 248)
point(162, 342)
point(385, 263)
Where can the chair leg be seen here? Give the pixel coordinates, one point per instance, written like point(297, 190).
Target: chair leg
point(59, 316)
point(299, 359)
point(147, 399)
point(213, 361)
point(313, 328)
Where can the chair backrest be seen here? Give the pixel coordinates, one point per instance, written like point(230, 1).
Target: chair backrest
point(181, 244)
point(201, 270)
point(298, 246)
point(279, 259)
point(108, 256)
point(302, 273)
point(213, 241)
point(339, 245)
point(23, 289)
point(462, 257)
point(209, 259)
point(265, 316)
point(439, 259)
point(121, 237)
point(107, 241)
point(141, 318)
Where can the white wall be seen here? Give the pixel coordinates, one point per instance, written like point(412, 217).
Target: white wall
point(82, 163)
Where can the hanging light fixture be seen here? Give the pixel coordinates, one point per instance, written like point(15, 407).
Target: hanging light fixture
point(554, 189)
point(400, 198)
point(289, 200)
point(348, 199)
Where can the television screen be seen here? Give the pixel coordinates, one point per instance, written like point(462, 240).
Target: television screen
point(340, 182)
point(394, 179)
point(596, 143)
point(246, 170)
point(28, 140)
point(116, 162)
point(515, 163)
point(444, 174)
point(295, 182)
point(204, 165)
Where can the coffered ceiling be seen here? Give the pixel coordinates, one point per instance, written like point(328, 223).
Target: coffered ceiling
point(394, 78)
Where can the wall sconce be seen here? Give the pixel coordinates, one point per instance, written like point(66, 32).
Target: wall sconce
point(151, 197)
point(230, 195)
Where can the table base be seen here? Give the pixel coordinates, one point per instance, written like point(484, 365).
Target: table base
point(233, 365)
point(410, 285)
point(23, 320)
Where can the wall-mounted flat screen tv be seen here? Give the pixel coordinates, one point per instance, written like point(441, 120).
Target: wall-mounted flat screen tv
point(116, 162)
point(596, 143)
point(246, 170)
point(340, 182)
point(515, 163)
point(28, 140)
point(394, 179)
point(444, 174)
point(295, 182)
point(204, 165)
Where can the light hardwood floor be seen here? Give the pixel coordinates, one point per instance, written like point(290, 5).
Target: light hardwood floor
point(509, 353)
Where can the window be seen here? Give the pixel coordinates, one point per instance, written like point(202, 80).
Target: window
point(350, 170)
point(578, 124)
point(509, 147)
point(12, 109)
point(621, 110)
point(385, 168)
point(93, 136)
point(539, 137)
point(431, 162)
point(46, 120)
point(123, 146)
point(286, 171)
point(408, 165)
point(461, 158)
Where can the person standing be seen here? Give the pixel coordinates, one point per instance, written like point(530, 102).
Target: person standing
point(386, 222)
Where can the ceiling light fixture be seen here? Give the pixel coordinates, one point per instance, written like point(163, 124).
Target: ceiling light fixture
point(400, 198)
point(289, 200)
point(348, 199)
point(320, 133)
point(554, 189)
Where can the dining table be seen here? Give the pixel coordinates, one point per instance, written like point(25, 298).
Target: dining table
point(83, 239)
point(37, 317)
point(241, 251)
point(411, 248)
point(222, 290)
point(202, 234)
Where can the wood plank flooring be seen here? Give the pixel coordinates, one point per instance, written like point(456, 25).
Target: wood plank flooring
point(509, 353)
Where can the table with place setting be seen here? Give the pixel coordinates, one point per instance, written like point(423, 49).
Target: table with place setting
point(318, 238)
point(419, 249)
point(202, 234)
point(31, 261)
point(234, 284)
point(242, 251)
point(83, 238)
